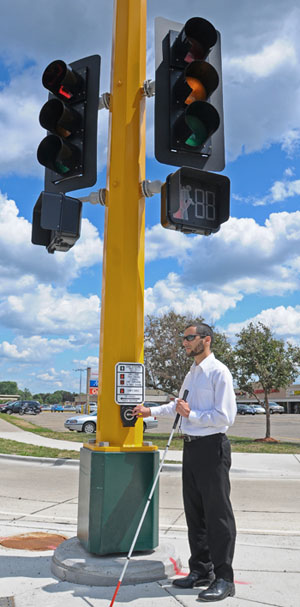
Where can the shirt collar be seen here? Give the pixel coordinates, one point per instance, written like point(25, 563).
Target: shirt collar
point(205, 362)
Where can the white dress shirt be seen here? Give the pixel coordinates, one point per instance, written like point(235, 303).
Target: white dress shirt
point(211, 399)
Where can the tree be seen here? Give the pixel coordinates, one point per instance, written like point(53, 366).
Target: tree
point(25, 394)
point(9, 387)
point(262, 358)
point(165, 361)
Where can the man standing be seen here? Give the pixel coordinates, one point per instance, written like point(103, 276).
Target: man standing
point(207, 413)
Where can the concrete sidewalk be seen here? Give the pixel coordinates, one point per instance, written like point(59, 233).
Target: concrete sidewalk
point(255, 464)
point(41, 495)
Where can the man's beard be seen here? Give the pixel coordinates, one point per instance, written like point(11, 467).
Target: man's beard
point(197, 350)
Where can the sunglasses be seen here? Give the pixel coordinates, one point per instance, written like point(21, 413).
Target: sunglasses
point(191, 337)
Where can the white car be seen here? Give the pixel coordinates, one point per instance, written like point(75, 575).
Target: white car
point(93, 407)
point(275, 408)
point(259, 408)
point(87, 423)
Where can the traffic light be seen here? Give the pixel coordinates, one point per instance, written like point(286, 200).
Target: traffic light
point(56, 221)
point(195, 201)
point(189, 129)
point(69, 151)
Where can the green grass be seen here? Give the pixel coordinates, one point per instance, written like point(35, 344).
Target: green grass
point(12, 447)
point(76, 437)
point(238, 444)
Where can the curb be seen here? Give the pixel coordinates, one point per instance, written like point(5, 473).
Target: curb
point(44, 460)
point(70, 462)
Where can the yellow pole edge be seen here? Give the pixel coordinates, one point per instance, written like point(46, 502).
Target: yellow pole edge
point(122, 303)
point(140, 449)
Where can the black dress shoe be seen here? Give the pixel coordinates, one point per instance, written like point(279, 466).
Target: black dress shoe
point(217, 591)
point(194, 579)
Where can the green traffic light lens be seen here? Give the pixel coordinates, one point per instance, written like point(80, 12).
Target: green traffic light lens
point(199, 134)
point(58, 156)
point(202, 119)
point(61, 168)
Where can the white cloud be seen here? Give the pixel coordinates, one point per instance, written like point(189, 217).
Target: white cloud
point(263, 63)
point(242, 259)
point(33, 350)
point(283, 321)
point(161, 243)
point(52, 311)
point(291, 141)
point(173, 294)
point(278, 192)
point(281, 190)
point(21, 268)
point(90, 361)
point(244, 250)
point(19, 126)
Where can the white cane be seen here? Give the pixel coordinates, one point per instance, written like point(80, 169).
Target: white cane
point(185, 395)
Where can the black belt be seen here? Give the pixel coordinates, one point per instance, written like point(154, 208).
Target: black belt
point(188, 438)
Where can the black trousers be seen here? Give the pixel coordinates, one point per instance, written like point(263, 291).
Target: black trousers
point(208, 510)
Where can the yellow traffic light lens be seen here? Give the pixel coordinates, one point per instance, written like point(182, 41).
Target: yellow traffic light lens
point(60, 119)
point(198, 90)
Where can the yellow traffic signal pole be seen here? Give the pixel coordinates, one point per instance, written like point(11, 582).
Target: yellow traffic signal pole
point(122, 303)
point(117, 470)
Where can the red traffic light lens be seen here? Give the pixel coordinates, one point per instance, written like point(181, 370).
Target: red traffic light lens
point(61, 80)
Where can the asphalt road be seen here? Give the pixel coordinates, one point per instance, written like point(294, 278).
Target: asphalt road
point(283, 427)
point(45, 491)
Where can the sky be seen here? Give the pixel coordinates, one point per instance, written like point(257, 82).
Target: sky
point(248, 271)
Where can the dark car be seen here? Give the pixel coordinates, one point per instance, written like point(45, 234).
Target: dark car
point(244, 409)
point(22, 406)
point(8, 402)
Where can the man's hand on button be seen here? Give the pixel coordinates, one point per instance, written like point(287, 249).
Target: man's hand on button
point(141, 411)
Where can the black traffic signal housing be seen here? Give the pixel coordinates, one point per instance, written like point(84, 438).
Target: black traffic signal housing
point(56, 221)
point(189, 126)
point(69, 151)
point(194, 201)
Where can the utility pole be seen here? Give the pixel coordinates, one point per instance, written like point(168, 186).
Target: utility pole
point(117, 469)
point(80, 378)
point(88, 378)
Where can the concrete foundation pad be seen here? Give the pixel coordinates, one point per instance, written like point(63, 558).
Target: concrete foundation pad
point(72, 563)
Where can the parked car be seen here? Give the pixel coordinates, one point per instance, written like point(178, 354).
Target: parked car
point(259, 409)
point(82, 423)
point(22, 406)
point(244, 409)
point(56, 408)
point(275, 408)
point(87, 423)
point(69, 408)
point(8, 402)
point(93, 407)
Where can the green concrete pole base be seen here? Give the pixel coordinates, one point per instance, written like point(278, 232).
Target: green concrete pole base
point(113, 492)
